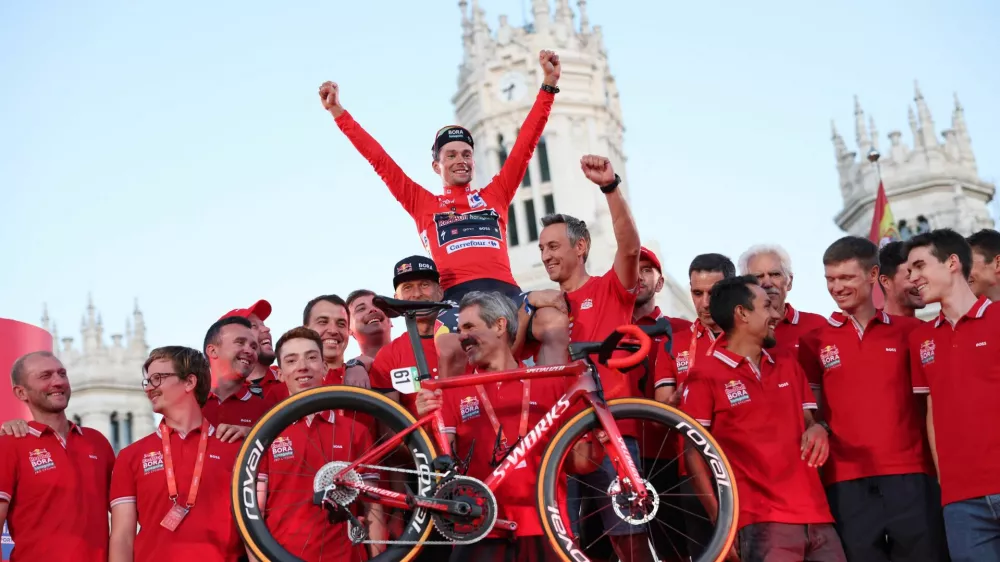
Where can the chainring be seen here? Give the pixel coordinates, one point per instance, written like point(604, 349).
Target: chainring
point(465, 529)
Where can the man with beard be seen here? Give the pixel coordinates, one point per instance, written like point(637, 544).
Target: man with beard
point(371, 329)
point(985, 276)
point(880, 477)
point(231, 350)
point(772, 266)
point(264, 375)
point(901, 297)
point(54, 480)
point(759, 408)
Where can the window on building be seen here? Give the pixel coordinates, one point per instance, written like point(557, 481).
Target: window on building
point(77, 420)
point(501, 150)
point(512, 238)
point(529, 215)
point(526, 180)
point(543, 160)
point(116, 442)
point(128, 428)
point(550, 204)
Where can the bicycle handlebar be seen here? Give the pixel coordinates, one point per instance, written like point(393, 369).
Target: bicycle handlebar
point(612, 341)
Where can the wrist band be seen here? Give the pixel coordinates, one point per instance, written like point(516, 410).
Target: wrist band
point(550, 89)
point(611, 186)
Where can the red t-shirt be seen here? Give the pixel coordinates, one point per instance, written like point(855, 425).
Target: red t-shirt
point(864, 374)
point(961, 368)
point(792, 327)
point(300, 526)
point(465, 416)
point(208, 533)
point(756, 416)
point(464, 230)
point(58, 493)
point(244, 407)
point(399, 355)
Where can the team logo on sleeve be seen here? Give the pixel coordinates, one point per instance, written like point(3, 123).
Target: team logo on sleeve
point(830, 357)
point(469, 408)
point(736, 391)
point(682, 362)
point(152, 462)
point(927, 352)
point(476, 201)
point(41, 460)
point(282, 448)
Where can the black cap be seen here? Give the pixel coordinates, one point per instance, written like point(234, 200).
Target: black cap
point(452, 133)
point(414, 267)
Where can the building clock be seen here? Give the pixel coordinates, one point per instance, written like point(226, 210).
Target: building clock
point(512, 86)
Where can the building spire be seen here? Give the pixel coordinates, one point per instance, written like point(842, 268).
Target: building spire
point(925, 122)
point(45, 317)
point(873, 131)
point(964, 142)
point(839, 147)
point(564, 14)
point(463, 6)
point(914, 130)
point(138, 341)
point(584, 19)
point(860, 130)
point(541, 14)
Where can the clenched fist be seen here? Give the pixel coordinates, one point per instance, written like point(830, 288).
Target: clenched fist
point(329, 95)
point(597, 169)
point(549, 61)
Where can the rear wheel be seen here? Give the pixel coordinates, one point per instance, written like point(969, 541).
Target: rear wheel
point(350, 404)
point(562, 491)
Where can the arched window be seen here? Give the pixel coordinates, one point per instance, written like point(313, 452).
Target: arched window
point(128, 428)
point(115, 432)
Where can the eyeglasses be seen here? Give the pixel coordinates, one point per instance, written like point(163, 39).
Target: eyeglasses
point(156, 379)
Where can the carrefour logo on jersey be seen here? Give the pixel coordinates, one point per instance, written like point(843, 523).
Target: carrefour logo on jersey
point(151, 462)
point(41, 460)
point(282, 448)
point(476, 201)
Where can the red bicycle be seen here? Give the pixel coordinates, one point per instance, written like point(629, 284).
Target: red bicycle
point(412, 471)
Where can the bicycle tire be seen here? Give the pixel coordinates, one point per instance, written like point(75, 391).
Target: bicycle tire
point(249, 521)
point(586, 421)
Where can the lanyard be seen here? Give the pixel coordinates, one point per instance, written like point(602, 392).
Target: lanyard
point(490, 413)
point(693, 347)
point(199, 465)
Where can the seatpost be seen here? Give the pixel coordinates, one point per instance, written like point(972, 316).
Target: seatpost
point(423, 372)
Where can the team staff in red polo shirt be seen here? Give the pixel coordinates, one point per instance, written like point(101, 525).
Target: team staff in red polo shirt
point(287, 473)
point(598, 305)
point(54, 480)
point(232, 406)
point(175, 482)
point(957, 357)
point(372, 329)
point(772, 266)
point(984, 277)
point(901, 297)
point(479, 416)
point(264, 374)
point(759, 408)
point(880, 477)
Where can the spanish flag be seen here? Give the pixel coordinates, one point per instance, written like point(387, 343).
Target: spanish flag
point(883, 231)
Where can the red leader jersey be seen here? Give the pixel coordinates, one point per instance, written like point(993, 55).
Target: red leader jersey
point(756, 415)
point(396, 356)
point(301, 527)
point(960, 365)
point(792, 327)
point(208, 533)
point(466, 415)
point(464, 230)
point(877, 428)
point(244, 407)
point(58, 493)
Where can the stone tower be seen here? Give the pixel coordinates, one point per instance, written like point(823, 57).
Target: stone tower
point(931, 184)
point(497, 83)
point(106, 380)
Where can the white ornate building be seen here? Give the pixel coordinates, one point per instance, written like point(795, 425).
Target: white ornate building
point(106, 380)
point(497, 81)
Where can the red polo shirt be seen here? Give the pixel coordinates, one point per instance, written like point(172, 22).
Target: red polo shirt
point(756, 416)
point(302, 527)
point(398, 355)
point(686, 355)
point(244, 407)
point(268, 380)
point(277, 393)
point(58, 493)
point(208, 533)
point(961, 367)
point(653, 443)
point(792, 327)
point(465, 416)
point(864, 374)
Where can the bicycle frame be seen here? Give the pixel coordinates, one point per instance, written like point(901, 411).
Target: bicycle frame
point(586, 388)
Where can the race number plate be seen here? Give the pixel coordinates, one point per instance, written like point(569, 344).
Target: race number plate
point(406, 381)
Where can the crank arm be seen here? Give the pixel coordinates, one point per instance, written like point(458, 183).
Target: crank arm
point(451, 507)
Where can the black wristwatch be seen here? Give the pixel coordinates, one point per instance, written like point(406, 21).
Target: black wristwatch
point(611, 186)
point(355, 363)
point(550, 89)
point(825, 426)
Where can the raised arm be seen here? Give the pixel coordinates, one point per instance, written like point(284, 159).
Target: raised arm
point(514, 168)
point(598, 170)
point(406, 191)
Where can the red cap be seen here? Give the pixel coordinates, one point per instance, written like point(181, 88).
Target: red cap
point(261, 309)
point(647, 254)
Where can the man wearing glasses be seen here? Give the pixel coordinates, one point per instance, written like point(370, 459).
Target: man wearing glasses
point(175, 482)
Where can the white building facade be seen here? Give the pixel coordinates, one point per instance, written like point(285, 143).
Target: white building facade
point(497, 83)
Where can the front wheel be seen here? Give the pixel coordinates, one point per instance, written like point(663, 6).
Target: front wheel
point(659, 434)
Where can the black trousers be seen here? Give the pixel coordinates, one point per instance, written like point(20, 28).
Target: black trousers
point(890, 518)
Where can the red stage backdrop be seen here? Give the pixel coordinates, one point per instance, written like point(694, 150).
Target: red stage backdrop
point(16, 339)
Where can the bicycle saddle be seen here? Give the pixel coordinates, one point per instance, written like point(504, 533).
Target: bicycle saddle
point(394, 308)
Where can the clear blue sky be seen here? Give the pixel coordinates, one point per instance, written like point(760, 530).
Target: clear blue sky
point(177, 152)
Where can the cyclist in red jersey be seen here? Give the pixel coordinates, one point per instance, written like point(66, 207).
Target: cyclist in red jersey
point(463, 229)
